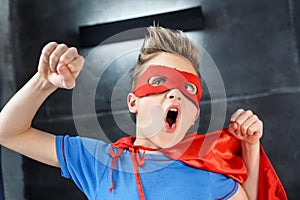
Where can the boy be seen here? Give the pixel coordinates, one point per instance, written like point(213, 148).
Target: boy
point(165, 98)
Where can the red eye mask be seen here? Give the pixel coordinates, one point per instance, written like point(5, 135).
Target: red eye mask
point(174, 79)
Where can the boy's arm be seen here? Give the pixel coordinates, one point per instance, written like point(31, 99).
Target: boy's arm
point(249, 129)
point(58, 67)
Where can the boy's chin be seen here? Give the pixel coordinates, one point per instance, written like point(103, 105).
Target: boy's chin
point(178, 137)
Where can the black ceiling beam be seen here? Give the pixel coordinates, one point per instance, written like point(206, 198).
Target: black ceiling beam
point(185, 20)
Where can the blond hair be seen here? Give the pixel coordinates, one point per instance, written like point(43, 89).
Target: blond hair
point(164, 40)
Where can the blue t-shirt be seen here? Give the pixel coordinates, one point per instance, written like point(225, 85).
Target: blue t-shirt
point(87, 162)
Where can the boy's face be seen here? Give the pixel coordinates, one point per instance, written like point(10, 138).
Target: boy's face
point(164, 118)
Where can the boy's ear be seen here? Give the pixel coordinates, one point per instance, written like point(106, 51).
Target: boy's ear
point(197, 115)
point(132, 103)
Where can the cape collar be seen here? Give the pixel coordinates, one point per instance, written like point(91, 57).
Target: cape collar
point(216, 152)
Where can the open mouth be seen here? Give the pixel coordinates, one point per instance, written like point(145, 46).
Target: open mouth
point(171, 118)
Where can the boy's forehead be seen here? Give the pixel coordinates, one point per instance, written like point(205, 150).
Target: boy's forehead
point(173, 61)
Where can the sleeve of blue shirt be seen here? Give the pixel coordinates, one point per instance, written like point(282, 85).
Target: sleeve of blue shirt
point(223, 187)
point(79, 160)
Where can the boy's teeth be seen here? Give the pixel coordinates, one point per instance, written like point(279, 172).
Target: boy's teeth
point(174, 109)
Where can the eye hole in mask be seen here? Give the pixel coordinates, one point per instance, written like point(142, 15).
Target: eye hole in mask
point(160, 80)
point(157, 80)
point(191, 88)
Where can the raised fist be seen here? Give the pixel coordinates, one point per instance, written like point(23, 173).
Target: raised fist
point(60, 65)
point(246, 126)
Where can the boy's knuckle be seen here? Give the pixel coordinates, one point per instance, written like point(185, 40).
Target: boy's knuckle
point(239, 122)
point(54, 57)
point(62, 45)
point(261, 123)
point(73, 49)
point(249, 112)
point(240, 110)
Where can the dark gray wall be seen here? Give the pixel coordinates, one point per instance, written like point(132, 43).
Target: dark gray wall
point(255, 45)
point(10, 161)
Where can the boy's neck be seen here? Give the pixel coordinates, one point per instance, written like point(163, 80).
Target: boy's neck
point(146, 143)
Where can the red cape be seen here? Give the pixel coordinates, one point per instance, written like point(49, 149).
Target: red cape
point(219, 152)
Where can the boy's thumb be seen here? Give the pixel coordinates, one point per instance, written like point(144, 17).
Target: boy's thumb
point(232, 127)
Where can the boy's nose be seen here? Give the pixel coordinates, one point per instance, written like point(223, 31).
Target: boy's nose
point(174, 94)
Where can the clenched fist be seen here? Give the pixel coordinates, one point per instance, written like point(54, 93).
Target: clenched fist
point(246, 126)
point(60, 65)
